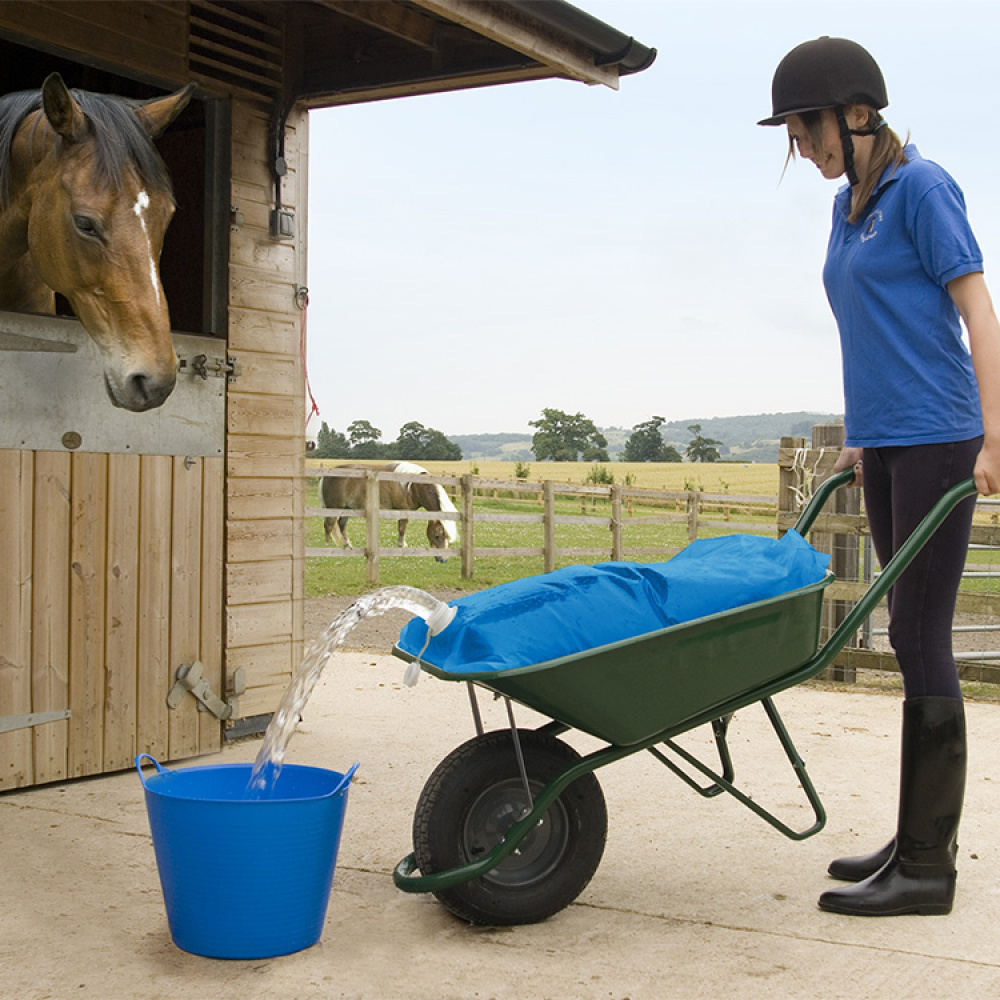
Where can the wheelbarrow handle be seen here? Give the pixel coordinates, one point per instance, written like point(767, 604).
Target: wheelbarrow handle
point(843, 478)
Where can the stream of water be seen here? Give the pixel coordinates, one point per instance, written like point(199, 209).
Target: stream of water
point(269, 760)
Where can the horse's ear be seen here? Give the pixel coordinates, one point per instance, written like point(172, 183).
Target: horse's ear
point(61, 110)
point(156, 115)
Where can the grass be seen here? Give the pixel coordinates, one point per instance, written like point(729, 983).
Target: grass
point(737, 478)
point(347, 575)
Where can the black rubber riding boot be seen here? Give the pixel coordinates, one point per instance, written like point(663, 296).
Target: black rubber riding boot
point(855, 869)
point(920, 874)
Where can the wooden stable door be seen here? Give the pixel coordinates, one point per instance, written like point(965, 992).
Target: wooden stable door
point(111, 580)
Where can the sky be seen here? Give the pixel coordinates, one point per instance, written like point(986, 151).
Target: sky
point(476, 257)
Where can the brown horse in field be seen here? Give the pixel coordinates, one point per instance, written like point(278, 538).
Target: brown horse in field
point(85, 201)
point(349, 494)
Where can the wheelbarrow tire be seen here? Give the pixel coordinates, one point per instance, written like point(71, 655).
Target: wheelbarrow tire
point(476, 794)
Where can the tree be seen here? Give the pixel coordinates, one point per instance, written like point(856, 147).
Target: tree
point(646, 444)
point(702, 449)
point(564, 438)
point(364, 440)
point(417, 442)
point(330, 443)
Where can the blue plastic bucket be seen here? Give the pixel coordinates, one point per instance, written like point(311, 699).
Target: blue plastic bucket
point(245, 878)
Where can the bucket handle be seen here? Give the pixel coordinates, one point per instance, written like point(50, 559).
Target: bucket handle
point(138, 766)
point(343, 783)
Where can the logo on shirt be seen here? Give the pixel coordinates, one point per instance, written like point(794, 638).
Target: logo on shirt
point(870, 230)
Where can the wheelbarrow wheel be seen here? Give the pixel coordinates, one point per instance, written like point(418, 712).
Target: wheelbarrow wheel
point(476, 794)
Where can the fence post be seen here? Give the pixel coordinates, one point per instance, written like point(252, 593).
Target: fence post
point(790, 479)
point(843, 549)
point(693, 509)
point(549, 524)
point(616, 523)
point(372, 534)
point(467, 543)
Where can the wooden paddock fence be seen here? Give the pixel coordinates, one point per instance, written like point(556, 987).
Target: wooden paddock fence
point(840, 530)
point(689, 507)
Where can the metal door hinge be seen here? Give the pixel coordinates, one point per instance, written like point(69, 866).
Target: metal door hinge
point(191, 679)
point(9, 723)
point(203, 366)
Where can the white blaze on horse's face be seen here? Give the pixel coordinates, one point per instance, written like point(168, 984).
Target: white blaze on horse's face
point(140, 206)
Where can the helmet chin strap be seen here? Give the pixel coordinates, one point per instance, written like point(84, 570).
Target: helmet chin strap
point(848, 143)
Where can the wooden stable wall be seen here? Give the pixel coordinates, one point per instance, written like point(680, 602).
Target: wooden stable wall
point(265, 540)
point(100, 601)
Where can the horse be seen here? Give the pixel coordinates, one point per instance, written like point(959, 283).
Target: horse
point(349, 494)
point(85, 201)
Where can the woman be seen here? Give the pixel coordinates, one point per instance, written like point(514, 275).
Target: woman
point(903, 271)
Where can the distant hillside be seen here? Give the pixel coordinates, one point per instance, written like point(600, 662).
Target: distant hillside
point(745, 439)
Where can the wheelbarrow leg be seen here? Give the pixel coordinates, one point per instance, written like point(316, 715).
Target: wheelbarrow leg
point(725, 784)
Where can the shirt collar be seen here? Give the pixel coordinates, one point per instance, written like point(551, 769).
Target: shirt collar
point(889, 176)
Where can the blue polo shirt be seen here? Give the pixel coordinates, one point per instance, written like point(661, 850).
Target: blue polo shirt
point(908, 376)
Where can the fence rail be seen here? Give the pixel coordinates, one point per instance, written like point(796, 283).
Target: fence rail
point(842, 531)
point(626, 505)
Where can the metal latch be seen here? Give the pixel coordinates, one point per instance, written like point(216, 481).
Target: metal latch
point(203, 366)
point(8, 723)
point(191, 679)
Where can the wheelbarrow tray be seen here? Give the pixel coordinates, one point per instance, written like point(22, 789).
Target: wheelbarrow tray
point(629, 691)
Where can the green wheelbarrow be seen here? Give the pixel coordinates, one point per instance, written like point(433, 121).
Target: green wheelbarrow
point(511, 825)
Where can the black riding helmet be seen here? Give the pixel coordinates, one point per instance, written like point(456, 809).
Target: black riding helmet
point(828, 73)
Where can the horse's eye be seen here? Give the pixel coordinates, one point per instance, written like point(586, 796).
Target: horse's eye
point(86, 226)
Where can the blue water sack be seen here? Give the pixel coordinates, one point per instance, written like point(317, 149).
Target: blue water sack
point(580, 608)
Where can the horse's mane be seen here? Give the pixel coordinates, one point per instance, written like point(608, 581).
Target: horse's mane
point(120, 140)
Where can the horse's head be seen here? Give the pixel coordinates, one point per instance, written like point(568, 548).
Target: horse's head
point(438, 537)
point(99, 209)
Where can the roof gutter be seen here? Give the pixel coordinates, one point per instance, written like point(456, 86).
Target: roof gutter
point(611, 47)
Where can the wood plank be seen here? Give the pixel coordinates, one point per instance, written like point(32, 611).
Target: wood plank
point(255, 499)
point(126, 34)
point(266, 374)
point(121, 639)
point(185, 598)
point(50, 612)
point(255, 457)
point(88, 555)
point(213, 519)
point(270, 257)
point(259, 624)
point(271, 416)
point(249, 288)
point(264, 332)
point(154, 664)
point(258, 582)
point(259, 541)
point(253, 169)
point(268, 667)
point(16, 477)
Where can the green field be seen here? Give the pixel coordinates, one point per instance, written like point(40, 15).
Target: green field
point(714, 477)
point(347, 576)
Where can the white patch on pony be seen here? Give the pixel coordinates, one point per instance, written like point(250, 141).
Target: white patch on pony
point(140, 206)
point(450, 527)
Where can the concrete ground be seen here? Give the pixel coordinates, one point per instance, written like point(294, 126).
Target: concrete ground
point(694, 898)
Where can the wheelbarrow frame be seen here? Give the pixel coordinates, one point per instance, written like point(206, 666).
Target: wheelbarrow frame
point(717, 713)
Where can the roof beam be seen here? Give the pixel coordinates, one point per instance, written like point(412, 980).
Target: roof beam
point(403, 22)
point(503, 24)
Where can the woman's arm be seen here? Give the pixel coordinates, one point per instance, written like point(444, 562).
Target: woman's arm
point(972, 298)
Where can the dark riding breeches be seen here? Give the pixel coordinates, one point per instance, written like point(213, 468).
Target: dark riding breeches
point(901, 484)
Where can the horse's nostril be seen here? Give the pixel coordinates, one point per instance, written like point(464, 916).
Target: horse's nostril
point(145, 392)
